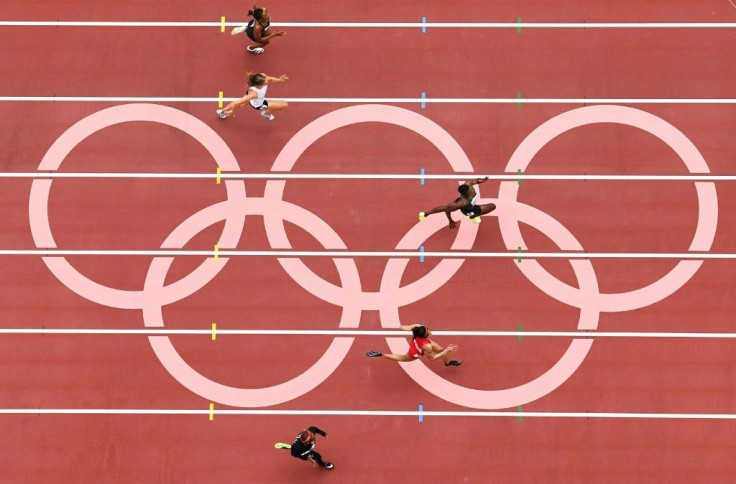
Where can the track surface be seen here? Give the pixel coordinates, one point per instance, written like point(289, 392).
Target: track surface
point(618, 375)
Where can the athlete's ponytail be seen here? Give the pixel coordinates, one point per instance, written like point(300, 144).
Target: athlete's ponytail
point(256, 79)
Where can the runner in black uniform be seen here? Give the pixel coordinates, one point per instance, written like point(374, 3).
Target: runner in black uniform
point(257, 29)
point(465, 203)
point(303, 447)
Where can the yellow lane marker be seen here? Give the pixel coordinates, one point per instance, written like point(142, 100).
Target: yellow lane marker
point(214, 331)
point(212, 412)
point(219, 172)
point(220, 96)
point(217, 252)
point(222, 24)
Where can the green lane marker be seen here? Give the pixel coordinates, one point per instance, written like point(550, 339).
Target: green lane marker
point(519, 338)
point(518, 104)
point(518, 21)
point(519, 258)
point(520, 413)
point(518, 172)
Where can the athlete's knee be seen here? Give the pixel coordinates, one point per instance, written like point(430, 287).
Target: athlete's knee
point(489, 208)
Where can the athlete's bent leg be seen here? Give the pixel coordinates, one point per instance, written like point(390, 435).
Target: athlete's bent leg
point(274, 106)
point(398, 357)
point(487, 208)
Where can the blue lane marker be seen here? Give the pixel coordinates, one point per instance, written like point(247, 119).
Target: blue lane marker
point(421, 409)
point(422, 179)
point(424, 25)
point(424, 96)
point(421, 257)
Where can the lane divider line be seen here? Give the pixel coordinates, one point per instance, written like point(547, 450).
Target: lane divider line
point(372, 333)
point(699, 256)
point(367, 413)
point(369, 176)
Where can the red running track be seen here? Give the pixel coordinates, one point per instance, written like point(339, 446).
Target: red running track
point(618, 375)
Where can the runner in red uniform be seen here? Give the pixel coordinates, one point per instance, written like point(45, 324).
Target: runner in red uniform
point(419, 346)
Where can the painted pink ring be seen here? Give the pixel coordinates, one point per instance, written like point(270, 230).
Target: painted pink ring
point(553, 378)
point(369, 113)
point(706, 192)
point(248, 397)
point(52, 160)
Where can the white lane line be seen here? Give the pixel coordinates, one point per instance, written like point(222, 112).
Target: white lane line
point(404, 254)
point(352, 333)
point(367, 176)
point(378, 100)
point(364, 413)
point(402, 25)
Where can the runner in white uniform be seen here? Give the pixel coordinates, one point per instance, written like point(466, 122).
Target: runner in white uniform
point(259, 102)
point(256, 96)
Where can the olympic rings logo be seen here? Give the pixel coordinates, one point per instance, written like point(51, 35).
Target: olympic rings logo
point(349, 295)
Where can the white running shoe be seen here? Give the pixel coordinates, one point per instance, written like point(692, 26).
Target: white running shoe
point(270, 117)
point(221, 114)
point(422, 216)
point(238, 30)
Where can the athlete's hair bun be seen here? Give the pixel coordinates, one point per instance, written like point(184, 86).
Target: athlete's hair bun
point(419, 331)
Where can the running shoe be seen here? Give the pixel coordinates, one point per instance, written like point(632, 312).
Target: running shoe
point(422, 216)
point(221, 114)
point(475, 220)
point(238, 30)
point(454, 363)
point(270, 117)
point(373, 354)
point(328, 465)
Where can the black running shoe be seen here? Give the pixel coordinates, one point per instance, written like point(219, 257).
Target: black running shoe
point(454, 363)
point(373, 354)
point(328, 465)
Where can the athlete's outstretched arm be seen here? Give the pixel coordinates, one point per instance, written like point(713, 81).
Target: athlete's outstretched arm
point(233, 106)
point(433, 355)
point(448, 209)
point(477, 181)
point(282, 78)
point(264, 39)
